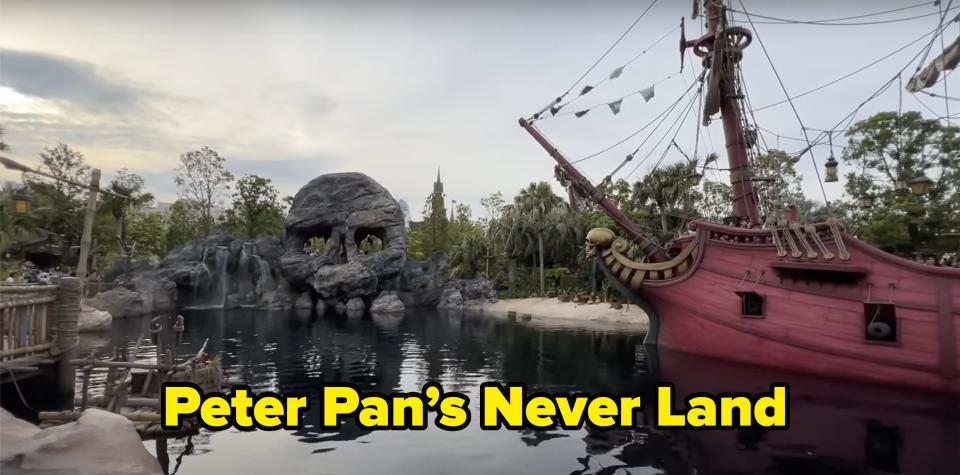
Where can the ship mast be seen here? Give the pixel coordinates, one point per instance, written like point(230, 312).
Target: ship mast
point(722, 47)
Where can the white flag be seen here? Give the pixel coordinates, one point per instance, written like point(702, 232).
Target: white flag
point(647, 93)
point(615, 106)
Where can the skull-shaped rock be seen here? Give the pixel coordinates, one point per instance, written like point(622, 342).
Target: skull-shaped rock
point(343, 237)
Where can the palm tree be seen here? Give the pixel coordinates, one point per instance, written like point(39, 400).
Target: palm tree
point(667, 188)
point(546, 216)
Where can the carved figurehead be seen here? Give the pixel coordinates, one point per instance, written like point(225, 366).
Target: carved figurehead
point(599, 239)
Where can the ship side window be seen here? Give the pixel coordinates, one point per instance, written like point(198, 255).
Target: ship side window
point(880, 322)
point(752, 304)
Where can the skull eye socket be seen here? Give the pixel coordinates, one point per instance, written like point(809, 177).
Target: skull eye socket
point(370, 239)
point(316, 240)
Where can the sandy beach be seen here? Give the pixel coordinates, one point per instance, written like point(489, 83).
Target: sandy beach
point(553, 309)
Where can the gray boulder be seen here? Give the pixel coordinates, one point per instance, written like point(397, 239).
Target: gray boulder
point(460, 293)
point(142, 296)
point(387, 302)
point(99, 443)
point(356, 305)
point(421, 283)
point(353, 279)
point(304, 302)
point(451, 298)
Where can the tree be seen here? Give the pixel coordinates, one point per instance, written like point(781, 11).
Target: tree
point(65, 164)
point(58, 206)
point(544, 215)
point(888, 150)
point(131, 186)
point(146, 233)
point(255, 210)
point(182, 223)
point(667, 191)
point(203, 179)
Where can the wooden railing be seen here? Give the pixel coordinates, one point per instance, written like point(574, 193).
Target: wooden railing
point(38, 318)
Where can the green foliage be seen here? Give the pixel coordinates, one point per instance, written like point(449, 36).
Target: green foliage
point(255, 210)
point(146, 233)
point(315, 245)
point(182, 223)
point(886, 151)
point(431, 235)
point(58, 206)
point(203, 179)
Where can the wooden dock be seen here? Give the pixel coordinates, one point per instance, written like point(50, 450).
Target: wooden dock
point(38, 337)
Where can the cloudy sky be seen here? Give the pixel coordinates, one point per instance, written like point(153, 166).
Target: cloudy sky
point(397, 89)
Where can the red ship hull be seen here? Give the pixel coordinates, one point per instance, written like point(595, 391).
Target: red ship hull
point(814, 317)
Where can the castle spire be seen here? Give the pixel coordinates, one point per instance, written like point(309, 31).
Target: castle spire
point(438, 185)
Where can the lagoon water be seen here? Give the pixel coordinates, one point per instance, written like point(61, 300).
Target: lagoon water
point(835, 427)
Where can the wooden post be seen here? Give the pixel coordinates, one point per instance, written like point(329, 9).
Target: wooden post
point(66, 318)
point(87, 238)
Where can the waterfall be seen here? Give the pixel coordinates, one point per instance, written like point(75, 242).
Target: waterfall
point(222, 256)
point(196, 278)
point(247, 250)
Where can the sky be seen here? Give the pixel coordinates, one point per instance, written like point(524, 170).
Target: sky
point(399, 89)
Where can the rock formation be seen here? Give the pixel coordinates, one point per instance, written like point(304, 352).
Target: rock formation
point(99, 443)
point(341, 210)
point(343, 250)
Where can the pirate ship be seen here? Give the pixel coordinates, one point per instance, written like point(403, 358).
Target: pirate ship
point(775, 290)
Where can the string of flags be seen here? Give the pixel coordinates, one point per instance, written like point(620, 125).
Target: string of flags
point(646, 93)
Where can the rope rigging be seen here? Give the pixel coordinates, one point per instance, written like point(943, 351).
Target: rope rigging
point(683, 116)
point(582, 112)
point(559, 99)
point(852, 73)
point(836, 21)
point(776, 73)
point(638, 131)
point(613, 75)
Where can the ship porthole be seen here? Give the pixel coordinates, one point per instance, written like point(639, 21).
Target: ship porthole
point(879, 322)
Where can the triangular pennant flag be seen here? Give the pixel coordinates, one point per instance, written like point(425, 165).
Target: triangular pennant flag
point(615, 106)
point(581, 113)
point(616, 73)
point(586, 89)
point(647, 93)
point(554, 110)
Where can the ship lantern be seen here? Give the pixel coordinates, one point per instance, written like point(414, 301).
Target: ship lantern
point(865, 201)
point(831, 170)
point(921, 185)
point(901, 186)
point(21, 202)
point(693, 179)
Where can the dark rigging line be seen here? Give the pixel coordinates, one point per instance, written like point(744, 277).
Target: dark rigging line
point(845, 76)
point(784, 21)
point(943, 47)
point(634, 134)
point(598, 83)
point(866, 15)
point(682, 116)
point(614, 45)
point(631, 94)
point(776, 73)
point(939, 31)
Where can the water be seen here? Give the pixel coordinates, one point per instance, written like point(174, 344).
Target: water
point(836, 428)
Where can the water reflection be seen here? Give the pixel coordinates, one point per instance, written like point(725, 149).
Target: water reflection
point(835, 428)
